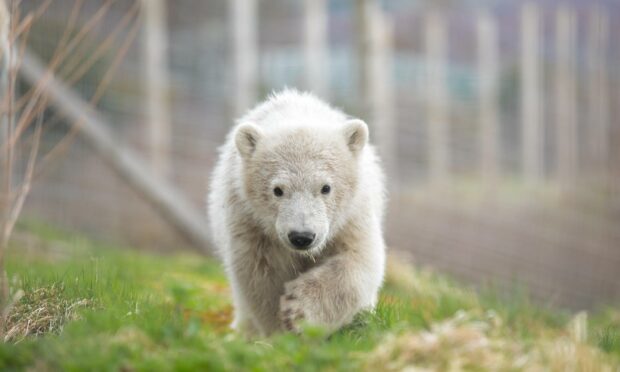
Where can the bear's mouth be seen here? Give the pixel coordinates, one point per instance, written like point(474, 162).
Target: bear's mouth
point(312, 249)
point(305, 249)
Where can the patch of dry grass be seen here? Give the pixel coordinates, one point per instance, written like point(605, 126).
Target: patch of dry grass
point(44, 310)
point(472, 342)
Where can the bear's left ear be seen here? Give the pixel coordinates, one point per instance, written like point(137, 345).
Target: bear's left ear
point(356, 135)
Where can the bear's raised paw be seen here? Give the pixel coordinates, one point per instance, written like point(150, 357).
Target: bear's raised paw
point(291, 309)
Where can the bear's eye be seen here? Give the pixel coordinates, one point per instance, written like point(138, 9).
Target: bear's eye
point(325, 189)
point(278, 192)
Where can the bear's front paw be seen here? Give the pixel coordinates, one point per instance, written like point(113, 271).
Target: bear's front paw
point(291, 309)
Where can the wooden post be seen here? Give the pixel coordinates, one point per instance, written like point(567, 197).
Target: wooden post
point(437, 103)
point(381, 88)
point(531, 97)
point(156, 85)
point(316, 47)
point(598, 93)
point(245, 59)
point(94, 130)
point(488, 76)
point(565, 102)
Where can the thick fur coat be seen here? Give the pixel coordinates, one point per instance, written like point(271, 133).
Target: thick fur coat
point(296, 207)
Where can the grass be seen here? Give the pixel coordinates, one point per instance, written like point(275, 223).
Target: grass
point(87, 306)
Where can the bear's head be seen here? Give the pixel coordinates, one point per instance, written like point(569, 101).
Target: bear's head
point(301, 181)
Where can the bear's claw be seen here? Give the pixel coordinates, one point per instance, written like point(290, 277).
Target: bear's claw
point(291, 312)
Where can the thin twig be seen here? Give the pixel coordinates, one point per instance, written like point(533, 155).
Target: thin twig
point(8, 167)
point(56, 60)
point(71, 21)
point(105, 45)
point(25, 187)
point(33, 103)
point(62, 146)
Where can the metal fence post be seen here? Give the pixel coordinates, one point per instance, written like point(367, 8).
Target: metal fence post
point(437, 103)
point(157, 86)
point(245, 54)
point(565, 85)
point(316, 47)
point(488, 76)
point(531, 97)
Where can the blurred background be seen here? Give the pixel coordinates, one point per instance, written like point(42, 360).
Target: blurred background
point(498, 123)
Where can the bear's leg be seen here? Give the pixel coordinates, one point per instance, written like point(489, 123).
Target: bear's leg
point(257, 282)
point(260, 305)
point(242, 322)
point(331, 294)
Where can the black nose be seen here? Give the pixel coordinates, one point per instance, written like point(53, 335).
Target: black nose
point(301, 240)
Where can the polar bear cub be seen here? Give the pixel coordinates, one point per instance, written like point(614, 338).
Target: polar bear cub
point(296, 208)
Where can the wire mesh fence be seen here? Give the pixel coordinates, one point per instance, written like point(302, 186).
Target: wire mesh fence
point(499, 128)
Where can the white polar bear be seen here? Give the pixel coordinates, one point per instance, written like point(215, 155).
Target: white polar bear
point(296, 209)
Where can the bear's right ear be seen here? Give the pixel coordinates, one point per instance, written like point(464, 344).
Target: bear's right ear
point(246, 138)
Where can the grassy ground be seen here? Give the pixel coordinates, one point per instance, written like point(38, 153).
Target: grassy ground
point(90, 307)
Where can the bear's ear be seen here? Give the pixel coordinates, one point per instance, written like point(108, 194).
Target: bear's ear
point(356, 135)
point(246, 138)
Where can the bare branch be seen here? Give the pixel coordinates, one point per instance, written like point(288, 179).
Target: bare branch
point(25, 186)
point(62, 146)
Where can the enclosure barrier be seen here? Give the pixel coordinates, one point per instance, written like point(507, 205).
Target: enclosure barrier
point(94, 129)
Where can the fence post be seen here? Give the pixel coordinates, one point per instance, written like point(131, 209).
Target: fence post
point(488, 76)
point(362, 14)
point(598, 93)
point(437, 98)
point(156, 85)
point(531, 97)
point(316, 47)
point(381, 87)
point(245, 58)
point(565, 111)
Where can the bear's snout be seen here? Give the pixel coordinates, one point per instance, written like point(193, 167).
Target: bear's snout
point(301, 240)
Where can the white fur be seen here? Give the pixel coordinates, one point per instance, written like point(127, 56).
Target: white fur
point(299, 143)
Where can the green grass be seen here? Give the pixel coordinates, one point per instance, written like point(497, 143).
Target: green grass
point(87, 306)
